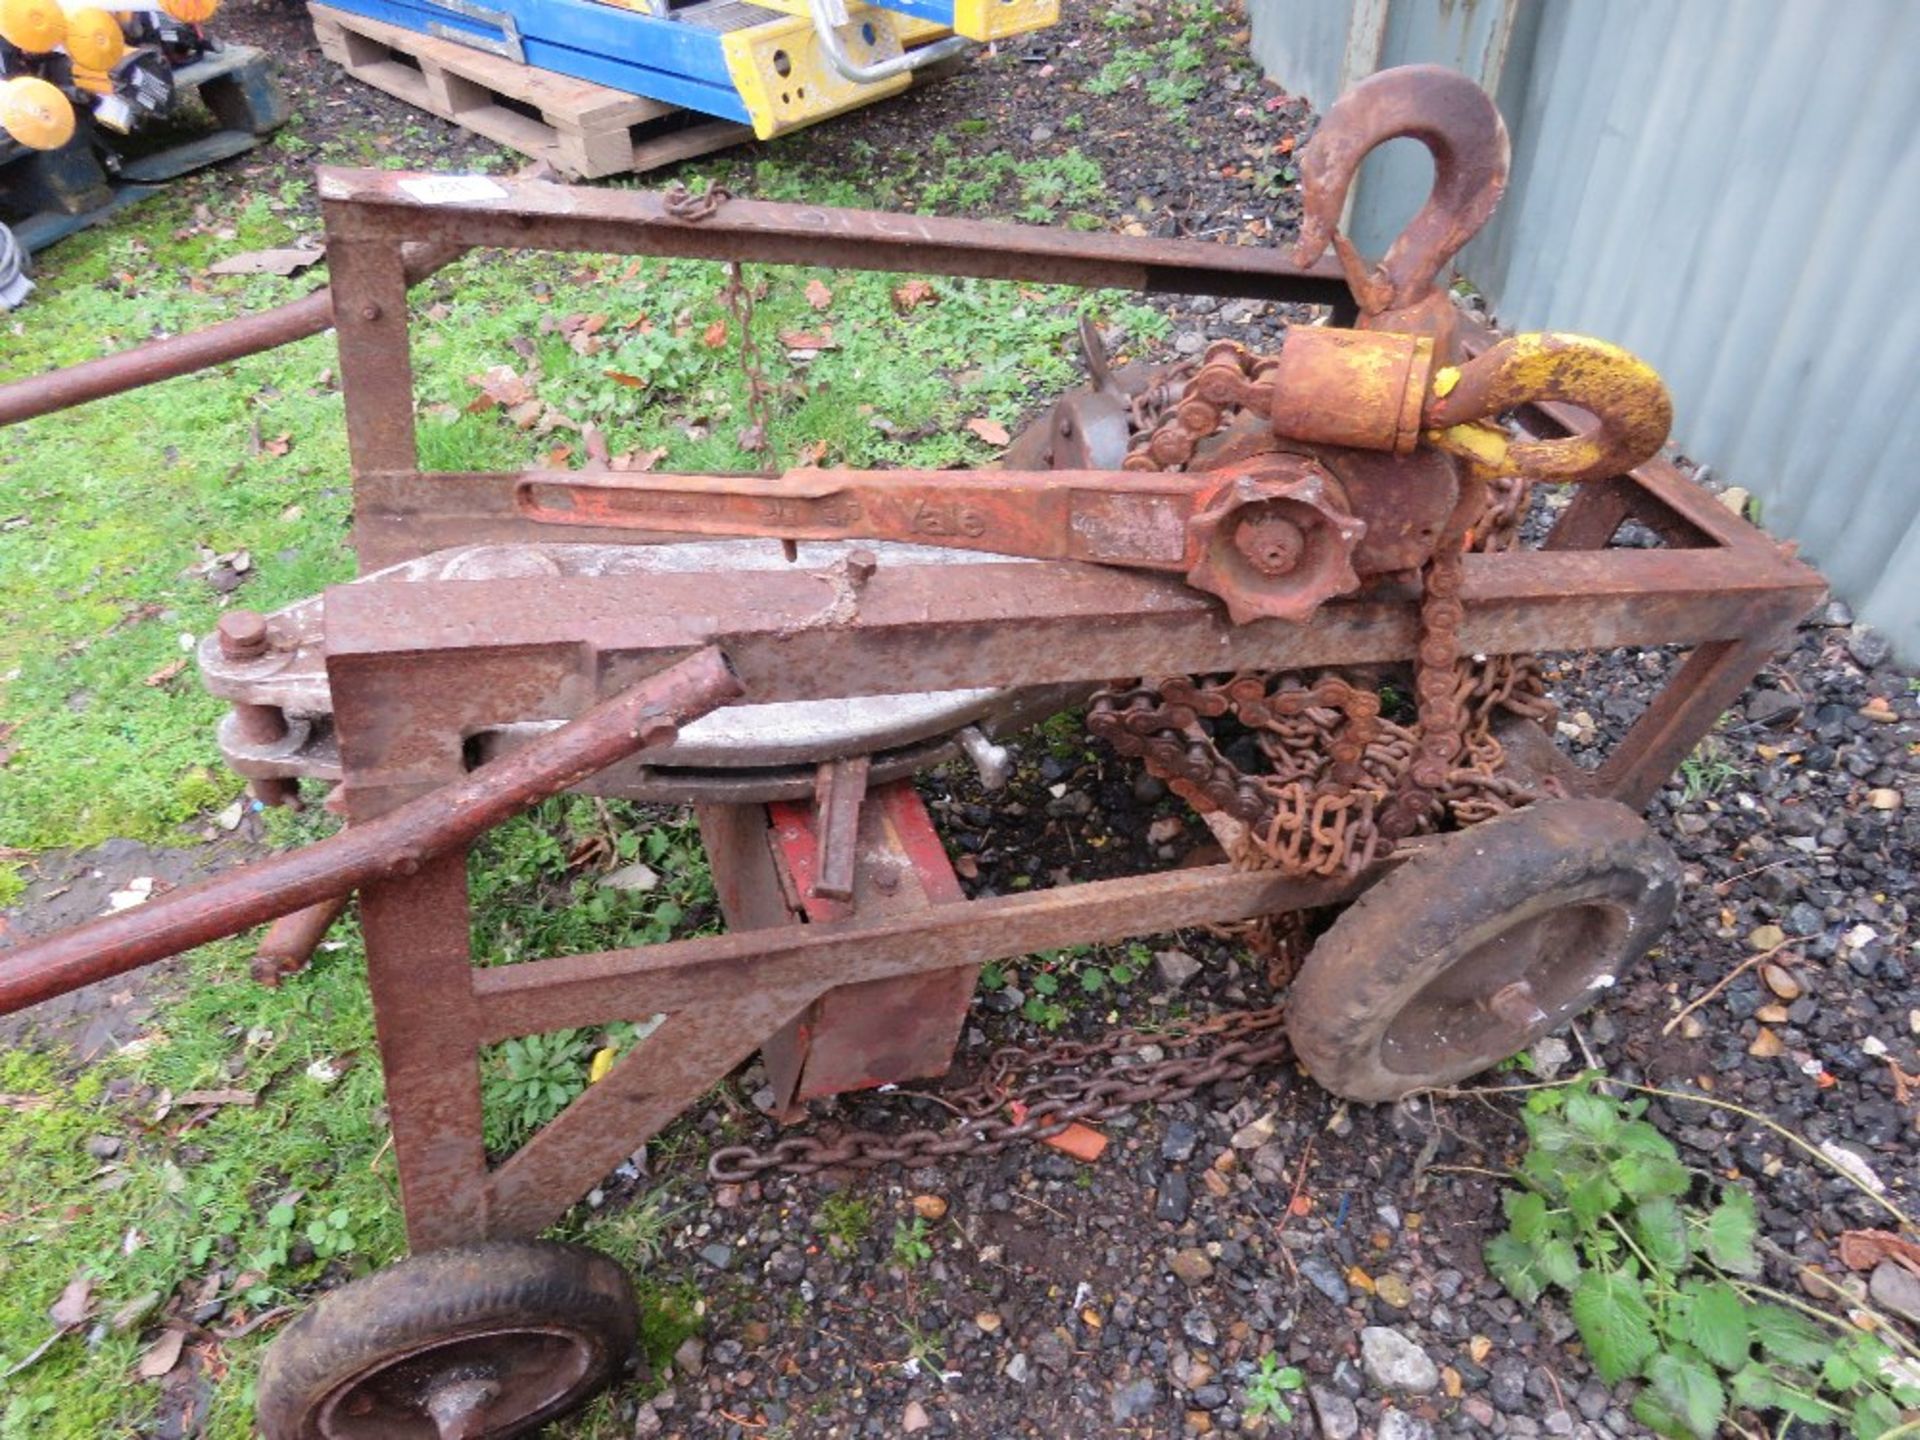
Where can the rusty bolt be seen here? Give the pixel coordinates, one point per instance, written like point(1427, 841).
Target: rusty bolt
point(370, 311)
point(243, 635)
point(860, 566)
point(1272, 544)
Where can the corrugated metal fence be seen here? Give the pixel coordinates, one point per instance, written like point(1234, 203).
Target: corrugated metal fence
point(1730, 188)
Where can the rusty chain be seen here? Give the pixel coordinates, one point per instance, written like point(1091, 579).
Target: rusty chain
point(1040, 1107)
point(1344, 785)
point(757, 436)
point(1341, 778)
point(683, 205)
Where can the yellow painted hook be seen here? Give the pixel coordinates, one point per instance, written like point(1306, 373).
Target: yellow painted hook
point(1628, 400)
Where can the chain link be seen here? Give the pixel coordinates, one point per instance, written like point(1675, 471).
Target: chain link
point(738, 295)
point(1342, 784)
point(1040, 1107)
point(685, 206)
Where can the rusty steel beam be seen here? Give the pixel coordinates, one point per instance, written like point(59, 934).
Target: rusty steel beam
point(808, 960)
point(178, 355)
point(386, 205)
point(396, 845)
point(794, 636)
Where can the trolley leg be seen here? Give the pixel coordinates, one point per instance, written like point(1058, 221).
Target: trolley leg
point(1709, 681)
point(419, 966)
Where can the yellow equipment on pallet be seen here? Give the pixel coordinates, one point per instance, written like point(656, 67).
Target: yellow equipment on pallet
point(776, 65)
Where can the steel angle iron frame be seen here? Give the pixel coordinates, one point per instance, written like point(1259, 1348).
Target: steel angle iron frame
point(417, 667)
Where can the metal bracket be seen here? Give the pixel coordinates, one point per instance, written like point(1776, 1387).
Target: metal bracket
point(509, 42)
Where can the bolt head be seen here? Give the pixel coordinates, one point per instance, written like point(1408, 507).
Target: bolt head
point(243, 635)
point(1272, 544)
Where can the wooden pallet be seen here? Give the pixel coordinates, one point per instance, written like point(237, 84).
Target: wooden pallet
point(582, 129)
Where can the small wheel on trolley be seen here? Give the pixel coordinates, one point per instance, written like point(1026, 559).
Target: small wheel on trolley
point(1470, 952)
point(485, 1340)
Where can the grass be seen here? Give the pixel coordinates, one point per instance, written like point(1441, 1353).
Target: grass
point(109, 517)
point(1710, 769)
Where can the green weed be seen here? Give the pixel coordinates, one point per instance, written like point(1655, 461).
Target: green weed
point(845, 1219)
point(1710, 769)
point(1660, 1269)
point(911, 1248)
point(1269, 1386)
point(1056, 979)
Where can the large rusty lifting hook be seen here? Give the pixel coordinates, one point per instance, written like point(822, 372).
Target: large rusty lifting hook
point(1462, 130)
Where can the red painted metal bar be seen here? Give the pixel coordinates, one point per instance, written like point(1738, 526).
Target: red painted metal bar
point(395, 845)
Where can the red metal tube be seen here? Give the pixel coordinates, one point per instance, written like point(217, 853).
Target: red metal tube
point(183, 354)
point(291, 940)
point(395, 844)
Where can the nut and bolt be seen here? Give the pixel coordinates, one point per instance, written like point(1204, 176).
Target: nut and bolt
point(860, 566)
point(243, 635)
point(1272, 544)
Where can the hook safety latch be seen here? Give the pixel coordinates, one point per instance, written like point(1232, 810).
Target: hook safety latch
point(1626, 397)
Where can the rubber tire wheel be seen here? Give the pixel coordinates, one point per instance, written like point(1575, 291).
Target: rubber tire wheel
point(1441, 908)
point(445, 1295)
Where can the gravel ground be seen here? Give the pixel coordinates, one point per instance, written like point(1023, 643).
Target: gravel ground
point(1136, 1296)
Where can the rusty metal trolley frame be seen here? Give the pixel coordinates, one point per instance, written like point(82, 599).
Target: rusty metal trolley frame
point(418, 667)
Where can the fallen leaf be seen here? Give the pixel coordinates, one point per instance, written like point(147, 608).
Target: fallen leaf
point(558, 456)
point(268, 262)
point(818, 295)
point(620, 377)
point(715, 336)
point(500, 385)
point(809, 340)
point(811, 454)
point(165, 673)
point(991, 431)
point(912, 295)
point(134, 1311)
point(639, 461)
point(326, 1070)
point(1864, 1249)
point(279, 444)
point(71, 1308)
point(162, 1355)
